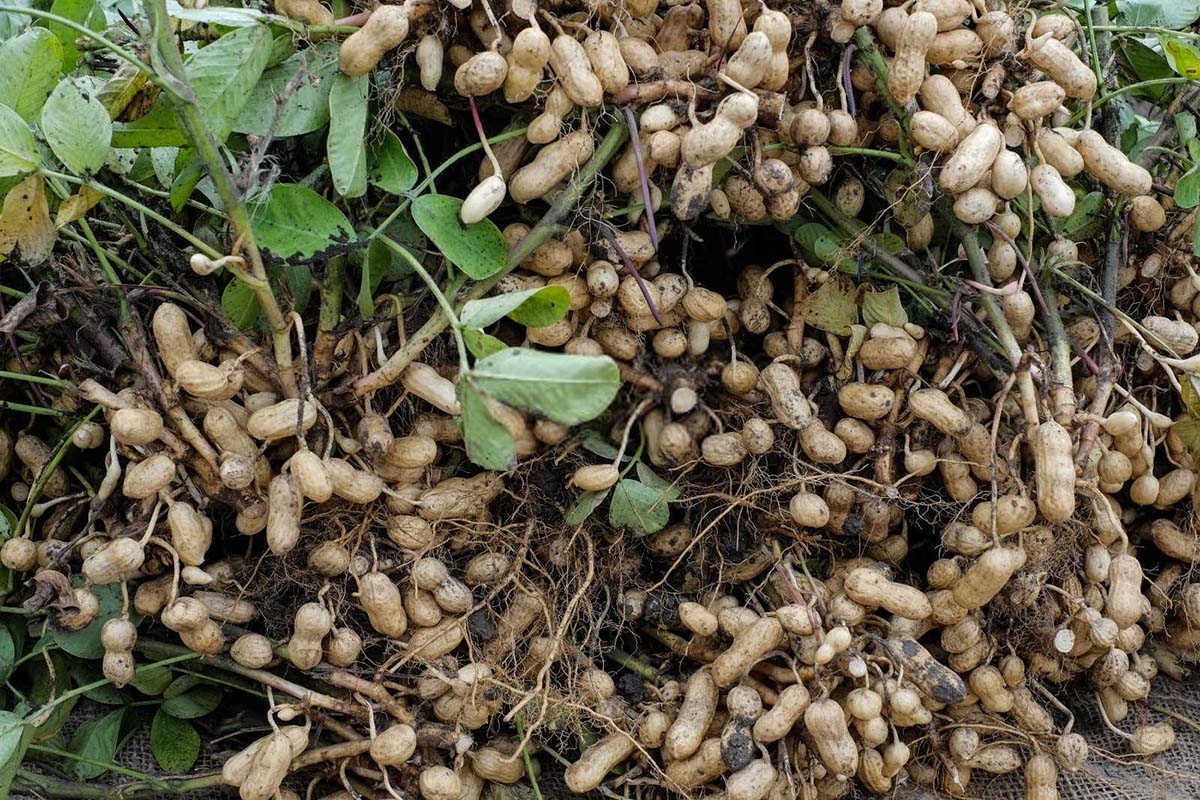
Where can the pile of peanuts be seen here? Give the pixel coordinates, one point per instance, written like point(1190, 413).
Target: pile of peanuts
point(841, 653)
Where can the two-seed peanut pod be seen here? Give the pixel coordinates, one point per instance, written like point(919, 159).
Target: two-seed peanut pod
point(172, 335)
point(908, 69)
point(971, 158)
point(118, 636)
point(709, 142)
point(310, 625)
point(394, 746)
point(283, 514)
point(1110, 166)
point(191, 532)
point(381, 600)
point(385, 29)
point(282, 419)
point(570, 63)
point(482, 73)
point(1060, 63)
point(594, 763)
point(551, 166)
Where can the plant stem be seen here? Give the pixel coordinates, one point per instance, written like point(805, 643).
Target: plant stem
point(328, 316)
point(57, 787)
point(35, 490)
point(199, 244)
point(20, 376)
point(854, 229)
point(533, 782)
point(301, 693)
point(870, 53)
point(1129, 87)
point(28, 409)
point(978, 263)
point(165, 55)
point(899, 158)
point(440, 296)
point(425, 184)
point(87, 687)
point(390, 371)
point(108, 766)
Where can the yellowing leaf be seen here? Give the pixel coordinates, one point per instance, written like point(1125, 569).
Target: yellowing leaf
point(1189, 393)
point(25, 221)
point(884, 307)
point(1188, 431)
point(75, 206)
point(832, 307)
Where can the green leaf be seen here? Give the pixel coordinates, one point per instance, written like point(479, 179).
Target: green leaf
point(1182, 56)
point(1173, 14)
point(655, 481)
point(1185, 123)
point(638, 506)
point(14, 739)
point(347, 125)
point(77, 128)
point(152, 681)
point(533, 307)
point(195, 702)
point(1148, 65)
point(376, 264)
point(390, 167)
point(85, 12)
point(482, 344)
point(1085, 219)
point(306, 108)
point(884, 307)
point(296, 221)
point(185, 183)
point(831, 307)
point(18, 151)
point(596, 444)
point(477, 249)
point(96, 740)
point(223, 75)
point(1187, 188)
point(820, 244)
point(584, 506)
point(8, 653)
point(564, 388)
point(489, 444)
point(240, 305)
point(86, 643)
point(174, 743)
point(29, 68)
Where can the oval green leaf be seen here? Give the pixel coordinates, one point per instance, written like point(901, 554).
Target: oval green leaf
point(174, 742)
point(296, 221)
point(344, 147)
point(477, 249)
point(29, 68)
point(489, 444)
point(18, 151)
point(77, 128)
point(565, 388)
point(535, 308)
point(390, 167)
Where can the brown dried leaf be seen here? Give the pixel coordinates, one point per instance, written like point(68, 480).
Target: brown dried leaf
point(75, 206)
point(25, 221)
